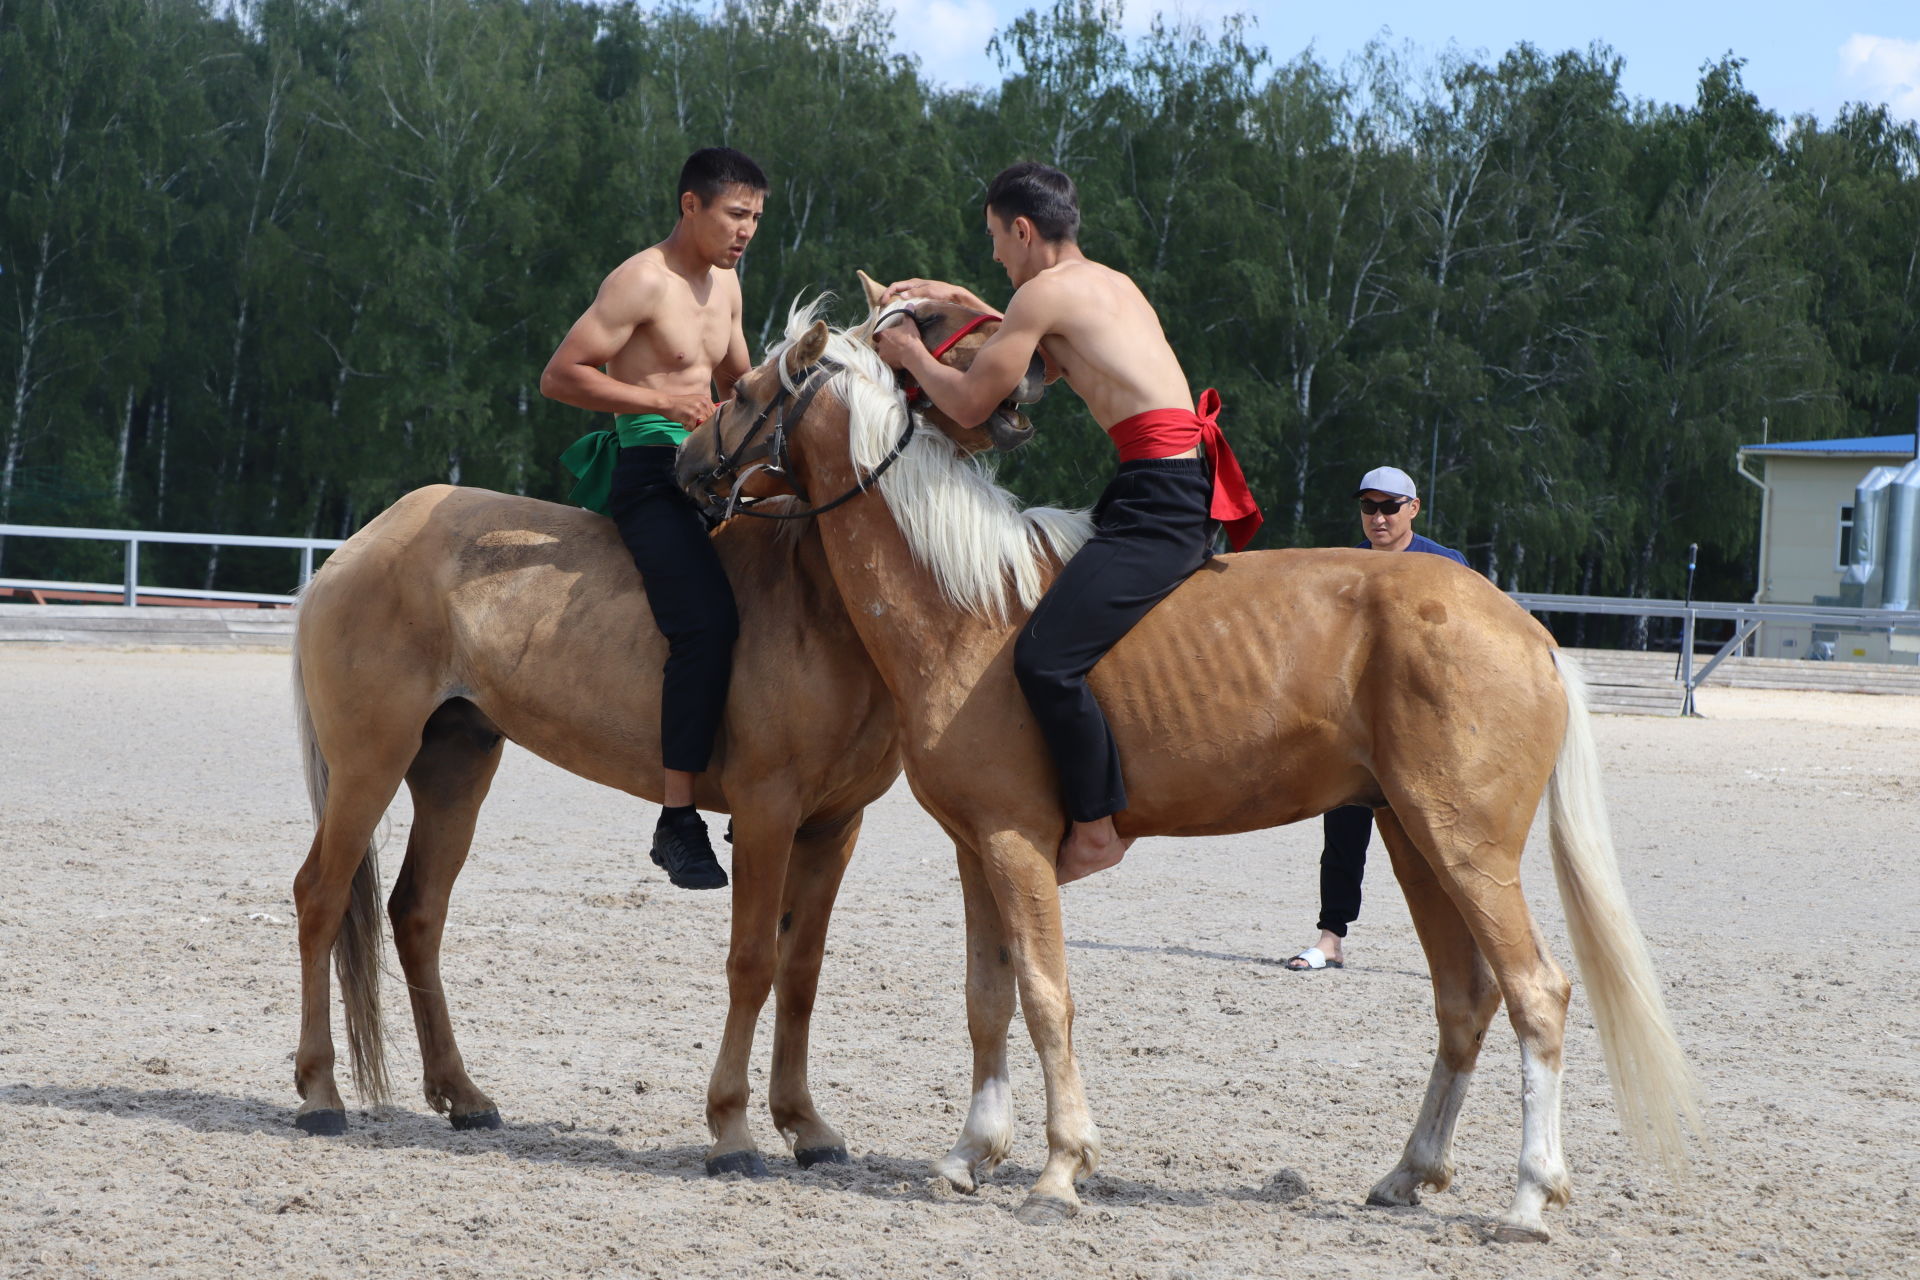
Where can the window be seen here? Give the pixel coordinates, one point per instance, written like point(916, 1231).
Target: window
point(1846, 536)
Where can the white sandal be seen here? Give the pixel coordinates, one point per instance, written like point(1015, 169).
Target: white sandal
point(1315, 958)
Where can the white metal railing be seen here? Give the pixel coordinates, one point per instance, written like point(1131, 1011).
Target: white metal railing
point(1745, 617)
point(130, 588)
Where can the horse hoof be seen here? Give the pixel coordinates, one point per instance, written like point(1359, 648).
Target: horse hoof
point(958, 1174)
point(489, 1119)
point(321, 1124)
point(812, 1156)
point(1514, 1233)
point(748, 1162)
point(1044, 1211)
point(1394, 1192)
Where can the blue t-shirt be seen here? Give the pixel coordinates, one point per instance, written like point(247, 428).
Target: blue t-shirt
point(1429, 546)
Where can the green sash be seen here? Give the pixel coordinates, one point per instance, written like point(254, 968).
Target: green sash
point(591, 458)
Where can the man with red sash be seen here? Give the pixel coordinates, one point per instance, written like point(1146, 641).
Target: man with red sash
point(1153, 524)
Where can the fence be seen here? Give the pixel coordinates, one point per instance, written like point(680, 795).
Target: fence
point(1746, 619)
point(129, 587)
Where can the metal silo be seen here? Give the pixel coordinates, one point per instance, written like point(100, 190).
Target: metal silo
point(1867, 570)
point(1903, 537)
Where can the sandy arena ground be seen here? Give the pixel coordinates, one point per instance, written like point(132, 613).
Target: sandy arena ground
point(151, 820)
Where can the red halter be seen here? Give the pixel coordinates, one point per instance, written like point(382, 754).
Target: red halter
point(914, 392)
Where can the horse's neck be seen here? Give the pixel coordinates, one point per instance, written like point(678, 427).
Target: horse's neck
point(927, 649)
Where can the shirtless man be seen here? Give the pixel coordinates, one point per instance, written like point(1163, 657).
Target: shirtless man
point(666, 328)
point(1154, 523)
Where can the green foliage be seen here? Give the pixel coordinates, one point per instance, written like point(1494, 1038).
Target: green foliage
point(266, 266)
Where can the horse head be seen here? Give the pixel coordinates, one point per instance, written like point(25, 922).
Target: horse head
point(743, 450)
point(938, 322)
point(747, 449)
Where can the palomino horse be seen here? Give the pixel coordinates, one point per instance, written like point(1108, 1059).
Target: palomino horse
point(459, 617)
point(1270, 687)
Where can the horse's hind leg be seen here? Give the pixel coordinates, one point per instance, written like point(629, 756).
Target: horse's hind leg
point(814, 870)
point(459, 751)
point(1465, 998)
point(1481, 874)
point(322, 891)
point(988, 1134)
point(762, 843)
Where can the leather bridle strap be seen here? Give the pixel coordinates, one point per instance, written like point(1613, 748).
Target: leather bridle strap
point(744, 506)
point(947, 344)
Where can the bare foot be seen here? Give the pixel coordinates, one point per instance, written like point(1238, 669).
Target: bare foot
point(1090, 847)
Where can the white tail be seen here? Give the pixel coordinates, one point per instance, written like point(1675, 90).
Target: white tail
point(1653, 1089)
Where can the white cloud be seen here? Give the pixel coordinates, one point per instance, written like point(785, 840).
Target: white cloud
point(1883, 69)
point(949, 37)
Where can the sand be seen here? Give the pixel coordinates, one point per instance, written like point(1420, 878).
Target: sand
point(152, 818)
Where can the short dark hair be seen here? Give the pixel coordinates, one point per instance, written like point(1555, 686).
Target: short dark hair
point(711, 170)
point(1043, 195)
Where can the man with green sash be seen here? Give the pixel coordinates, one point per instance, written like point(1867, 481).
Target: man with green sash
point(660, 343)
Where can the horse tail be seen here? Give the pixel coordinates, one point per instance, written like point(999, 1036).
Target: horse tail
point(1653, 1087)
point(356, 949)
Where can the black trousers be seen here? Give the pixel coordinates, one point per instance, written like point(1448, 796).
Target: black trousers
point(1151, 530)
point(692, 600)
point(1343, 861)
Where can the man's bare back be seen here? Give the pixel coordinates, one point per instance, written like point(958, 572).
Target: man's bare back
point(1104, 338)
point(1090, 323)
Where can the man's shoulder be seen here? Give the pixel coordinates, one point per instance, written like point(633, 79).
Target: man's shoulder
point(1423, 543)
point(647, 267)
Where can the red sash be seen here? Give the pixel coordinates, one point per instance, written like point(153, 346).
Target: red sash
point(1164, 433)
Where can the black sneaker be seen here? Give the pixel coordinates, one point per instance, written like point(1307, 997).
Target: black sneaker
point(682, 850)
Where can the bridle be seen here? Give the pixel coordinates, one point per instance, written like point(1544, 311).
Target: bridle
point(772, 456)
point(915, 392)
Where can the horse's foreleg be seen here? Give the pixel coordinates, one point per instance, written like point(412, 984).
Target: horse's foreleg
point(814, 870)
point(988, 1133)
point(322, 890)
point(762, 840)
point(1465, 998)
point(1022, 878)
point(449, 780)
point(1482, 879)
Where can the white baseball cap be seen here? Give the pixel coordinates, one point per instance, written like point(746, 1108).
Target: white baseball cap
point(1388, 480)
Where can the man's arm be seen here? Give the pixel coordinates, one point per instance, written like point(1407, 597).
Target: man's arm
point(574, 375)
point(969, 396)
point(734, 365)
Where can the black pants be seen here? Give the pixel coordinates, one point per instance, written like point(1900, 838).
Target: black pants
point(691, 599)
point(1151, 530)
point(1343, 860)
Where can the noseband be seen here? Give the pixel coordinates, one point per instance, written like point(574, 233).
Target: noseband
point(774, 459)
point(772, 456)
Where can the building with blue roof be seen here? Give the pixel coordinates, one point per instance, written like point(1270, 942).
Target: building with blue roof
point(1807, 531)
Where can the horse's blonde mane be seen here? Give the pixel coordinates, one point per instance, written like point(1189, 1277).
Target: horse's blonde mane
point(971, 533)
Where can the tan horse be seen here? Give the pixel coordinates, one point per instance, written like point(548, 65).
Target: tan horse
point(460, 617)
point(1269, 688)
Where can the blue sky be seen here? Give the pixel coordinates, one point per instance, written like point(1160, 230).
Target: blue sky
point(1801, 57)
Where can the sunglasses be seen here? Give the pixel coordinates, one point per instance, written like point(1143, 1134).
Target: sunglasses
point(1389, 508)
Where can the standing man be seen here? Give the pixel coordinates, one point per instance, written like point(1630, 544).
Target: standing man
point(660, 343)
point(1153, 524)
point(1388, 504)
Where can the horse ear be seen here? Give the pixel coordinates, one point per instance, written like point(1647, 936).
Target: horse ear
point(807, 349)
point(873, 287)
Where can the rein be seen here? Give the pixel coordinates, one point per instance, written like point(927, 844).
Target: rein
point(776, 461)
